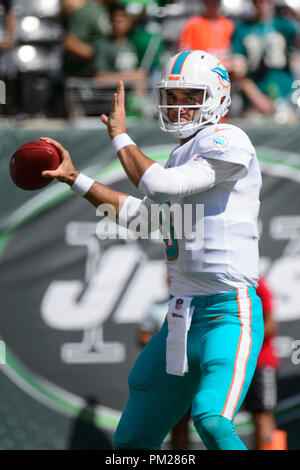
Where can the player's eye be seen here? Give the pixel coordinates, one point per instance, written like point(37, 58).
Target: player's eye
point(171, 99)
point(191, 99)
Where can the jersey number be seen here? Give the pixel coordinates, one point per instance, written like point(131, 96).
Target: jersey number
point(168, 232)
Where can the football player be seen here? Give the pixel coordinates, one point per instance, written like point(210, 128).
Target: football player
point(205, 353)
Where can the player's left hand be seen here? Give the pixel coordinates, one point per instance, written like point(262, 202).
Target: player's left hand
point(115, 122)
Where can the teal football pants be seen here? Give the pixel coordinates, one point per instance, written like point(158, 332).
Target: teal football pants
point(223, 344)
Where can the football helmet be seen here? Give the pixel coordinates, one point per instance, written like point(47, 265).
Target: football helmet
point(196, 70)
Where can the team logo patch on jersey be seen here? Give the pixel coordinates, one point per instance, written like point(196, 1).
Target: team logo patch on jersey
point(222, 75)
point(179, 303)
point(220, 141)
point(199, 158)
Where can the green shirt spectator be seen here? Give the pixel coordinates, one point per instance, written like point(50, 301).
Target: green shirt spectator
point(85, 28)
point(117, 60)
point(116, 56)
point(149, 47)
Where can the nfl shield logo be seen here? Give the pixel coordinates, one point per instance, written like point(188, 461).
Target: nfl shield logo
point(179, 303)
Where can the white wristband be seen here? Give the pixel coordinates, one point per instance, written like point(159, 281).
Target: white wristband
point(82, 184)
point(122, 140)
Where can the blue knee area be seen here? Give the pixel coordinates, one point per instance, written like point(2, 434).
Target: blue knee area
point(133, 444)
point(125, 438)
point(207, 403)
point(128, 442)
point(218, 433)
point(128, 436)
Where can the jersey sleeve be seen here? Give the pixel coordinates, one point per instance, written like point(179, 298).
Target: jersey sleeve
point(228, 149)
point(161, 184)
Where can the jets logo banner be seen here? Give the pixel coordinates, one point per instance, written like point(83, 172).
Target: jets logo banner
point(72, 301)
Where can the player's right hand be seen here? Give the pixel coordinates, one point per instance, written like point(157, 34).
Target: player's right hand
point(115, 122)
point(66, 172)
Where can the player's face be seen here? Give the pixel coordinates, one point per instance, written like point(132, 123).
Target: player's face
point(183, 97)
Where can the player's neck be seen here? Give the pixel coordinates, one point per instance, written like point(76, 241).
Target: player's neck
point(184, 141)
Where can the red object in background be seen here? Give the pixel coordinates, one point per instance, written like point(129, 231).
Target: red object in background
point(29, 161)
point(210, 35)
point(267, 356)
point(278, 441)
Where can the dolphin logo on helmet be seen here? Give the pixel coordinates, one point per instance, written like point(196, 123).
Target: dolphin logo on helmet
point(223, 75)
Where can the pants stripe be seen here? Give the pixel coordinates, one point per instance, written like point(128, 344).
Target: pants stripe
point(242, 356)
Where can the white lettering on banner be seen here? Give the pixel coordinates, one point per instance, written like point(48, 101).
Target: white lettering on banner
point(2, 92)
point(295, 97)
point(2, 353)
point(284, 273)
point(296, 354)
point(121, 274)
point(283, 278)
point(283, 346)
point(149, 282)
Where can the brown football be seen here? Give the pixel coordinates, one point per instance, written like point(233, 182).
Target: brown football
point(29, 161)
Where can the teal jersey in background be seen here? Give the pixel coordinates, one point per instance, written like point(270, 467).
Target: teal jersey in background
point(267, 46)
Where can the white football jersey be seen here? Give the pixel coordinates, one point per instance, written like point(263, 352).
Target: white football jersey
point(229, 257)
point(218, 171)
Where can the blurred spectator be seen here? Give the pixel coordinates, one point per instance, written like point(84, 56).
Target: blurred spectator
point(150, 325)
point(149, 47)
point(209, 32)
point(86, 22)
point(117, 57)
point(261, 398)
point(86, 434)
point(8, 26)
point(264, 43)
point(8, 38)
point(288, 12)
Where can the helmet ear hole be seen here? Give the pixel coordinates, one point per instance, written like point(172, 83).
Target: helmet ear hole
point(222, 99)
